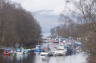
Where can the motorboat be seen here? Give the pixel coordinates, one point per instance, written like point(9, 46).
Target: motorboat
point(59, 52)
point(19, 51)
point(8, 51)
point(43, 53)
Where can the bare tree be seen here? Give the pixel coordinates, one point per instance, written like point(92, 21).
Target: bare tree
point(17, 25)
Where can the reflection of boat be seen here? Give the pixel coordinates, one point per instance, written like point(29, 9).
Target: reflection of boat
point(21, 57)
point(44, 55)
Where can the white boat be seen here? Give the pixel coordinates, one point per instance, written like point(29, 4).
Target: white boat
point(43, 53)
point(59, 52)
point(19, 53)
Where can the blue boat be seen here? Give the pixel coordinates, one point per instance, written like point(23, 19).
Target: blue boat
point(38, 48)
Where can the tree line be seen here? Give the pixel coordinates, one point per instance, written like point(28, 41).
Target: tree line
point(17, 26)
point(84, 30)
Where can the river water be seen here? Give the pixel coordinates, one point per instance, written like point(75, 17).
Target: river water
point(27, 58)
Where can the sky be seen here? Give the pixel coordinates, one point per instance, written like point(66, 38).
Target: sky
point(35, 5)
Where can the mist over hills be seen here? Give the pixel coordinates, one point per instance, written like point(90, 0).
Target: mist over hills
point(49, 18)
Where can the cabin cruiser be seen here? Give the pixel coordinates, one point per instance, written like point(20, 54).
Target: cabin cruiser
point(60, 51)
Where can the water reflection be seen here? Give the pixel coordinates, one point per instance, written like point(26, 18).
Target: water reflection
point(38, 59)
point(26, 58)
point(21, 57)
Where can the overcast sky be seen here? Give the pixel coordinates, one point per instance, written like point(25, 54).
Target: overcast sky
point(35, 5)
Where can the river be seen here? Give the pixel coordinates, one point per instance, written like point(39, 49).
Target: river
point(27, 58)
